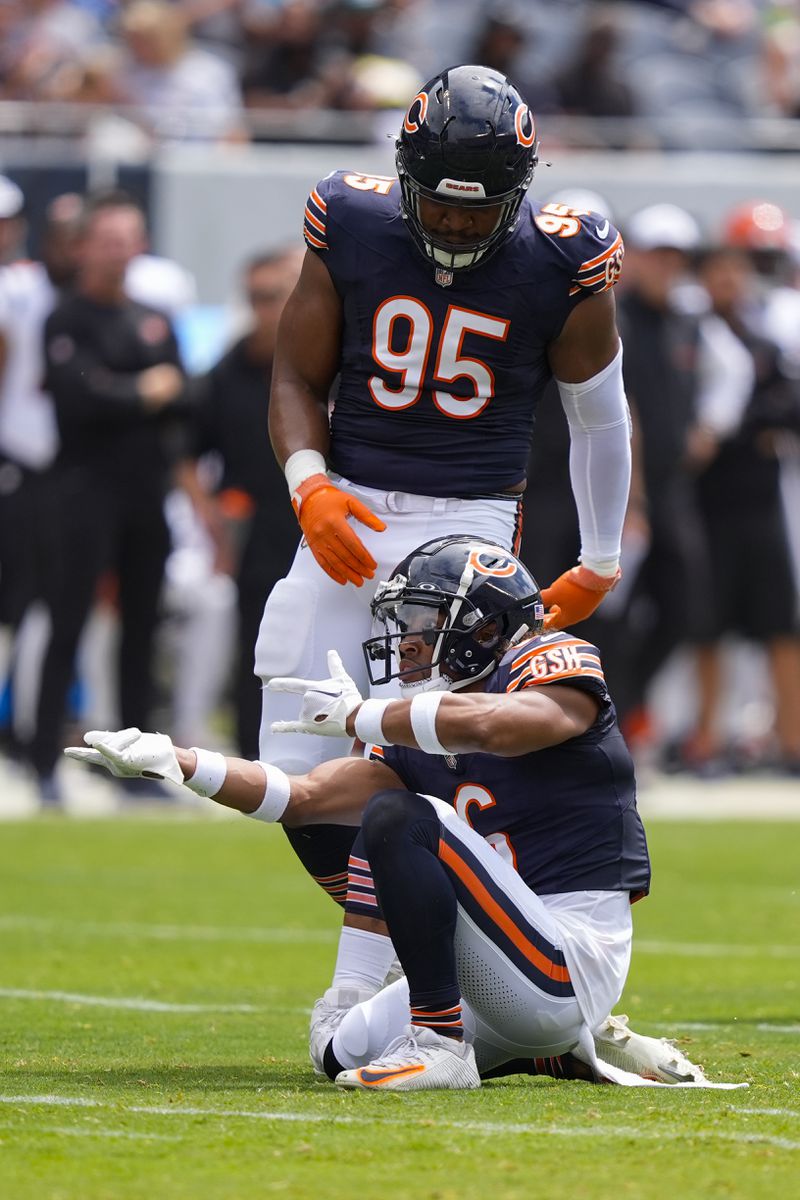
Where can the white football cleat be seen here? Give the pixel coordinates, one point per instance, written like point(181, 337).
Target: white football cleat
point(417, 1060)
point(326, 1017)
point(652, 1058)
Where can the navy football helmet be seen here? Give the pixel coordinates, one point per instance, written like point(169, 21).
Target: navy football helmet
point(467, 598)
point(468, 138)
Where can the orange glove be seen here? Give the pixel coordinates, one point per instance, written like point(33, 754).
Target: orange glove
point(575, 595)
point(323, 511)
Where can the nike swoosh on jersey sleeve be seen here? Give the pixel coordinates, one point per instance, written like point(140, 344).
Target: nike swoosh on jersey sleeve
point(601, 272)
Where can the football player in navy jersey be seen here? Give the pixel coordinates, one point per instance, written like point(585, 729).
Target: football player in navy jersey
point(507, 896)
point(441, 300)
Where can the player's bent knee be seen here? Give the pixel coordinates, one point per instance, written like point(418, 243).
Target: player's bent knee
point(284, 636)
point(394, 815)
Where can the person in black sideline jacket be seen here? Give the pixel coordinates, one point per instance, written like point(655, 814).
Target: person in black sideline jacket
point(113, 369)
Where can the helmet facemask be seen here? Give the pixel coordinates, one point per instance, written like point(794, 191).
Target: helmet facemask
point(463, 256)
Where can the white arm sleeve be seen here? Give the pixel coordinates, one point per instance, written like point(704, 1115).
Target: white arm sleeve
point(599, 462)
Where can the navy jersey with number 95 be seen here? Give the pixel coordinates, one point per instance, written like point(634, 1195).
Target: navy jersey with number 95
point(441, 372)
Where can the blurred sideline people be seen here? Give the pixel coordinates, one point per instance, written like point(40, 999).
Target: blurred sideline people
point(660, 602)
point(182, 90)
point(250, 514)
point(721, 375)
point(28, 446)
point(740, 501)
point(160, 283)
point(43, 42)
point(351, 54)
point(197, 602)
point(113, 369)
point(501, 40)
point(282, 55)
point(198, 606)
point(197, 625)
point(772, 240)
point(592, 80)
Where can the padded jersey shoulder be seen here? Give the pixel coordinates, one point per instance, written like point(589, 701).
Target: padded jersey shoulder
point(348, 202)
point(559, 657)
point(583, 244)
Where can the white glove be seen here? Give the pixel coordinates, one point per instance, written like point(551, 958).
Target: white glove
point(129, 753)
point(327, 703)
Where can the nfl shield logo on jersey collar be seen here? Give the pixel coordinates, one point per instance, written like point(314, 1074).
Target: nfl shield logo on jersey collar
point(443, 277)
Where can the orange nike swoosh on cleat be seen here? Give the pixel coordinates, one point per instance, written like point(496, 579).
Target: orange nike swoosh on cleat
point(374, 1078)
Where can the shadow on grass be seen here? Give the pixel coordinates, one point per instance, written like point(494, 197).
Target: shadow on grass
point(182, 1085)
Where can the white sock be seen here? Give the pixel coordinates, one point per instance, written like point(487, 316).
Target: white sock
point(363, 959)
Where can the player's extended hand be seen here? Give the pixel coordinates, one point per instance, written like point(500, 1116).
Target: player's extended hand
point(327, 703)
point(128, 753)
point(324, 511)
point(574, 596)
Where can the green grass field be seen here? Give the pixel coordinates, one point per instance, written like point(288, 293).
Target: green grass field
point(155, 981)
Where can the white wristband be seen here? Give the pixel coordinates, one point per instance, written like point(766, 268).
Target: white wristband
point(369, 722)
point(301, 466)
point(277, 793)
point(423, 722)
point(209, 774)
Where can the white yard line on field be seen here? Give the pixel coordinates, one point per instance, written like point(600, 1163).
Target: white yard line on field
point(267, 935)
point(71, 1131)
point(739, 1026)
point(172, 933)
point(139, 1004)
point(635, 1133)
point(770, 1112)
point(714, 949)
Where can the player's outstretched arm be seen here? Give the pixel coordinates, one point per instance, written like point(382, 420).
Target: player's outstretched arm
point(334, 793)
point(306, 362)
point(507, 724)
point(586, 360)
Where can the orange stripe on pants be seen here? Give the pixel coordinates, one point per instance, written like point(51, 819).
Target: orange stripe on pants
point(500, 918)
